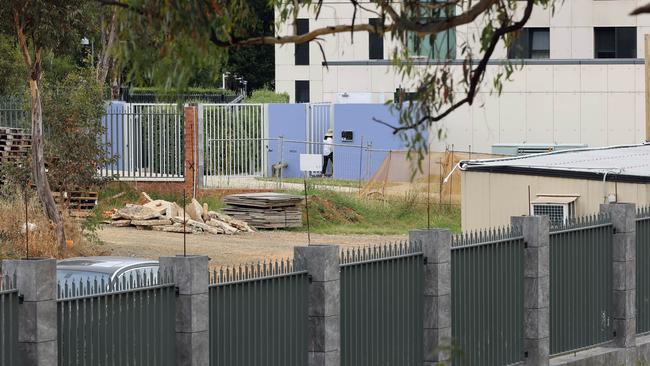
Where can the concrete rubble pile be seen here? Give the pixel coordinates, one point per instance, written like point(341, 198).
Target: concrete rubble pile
point(161, 215)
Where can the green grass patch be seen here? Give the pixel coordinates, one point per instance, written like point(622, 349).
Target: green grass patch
point(340, 213)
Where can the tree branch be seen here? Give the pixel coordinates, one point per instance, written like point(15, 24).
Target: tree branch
point(477, 74)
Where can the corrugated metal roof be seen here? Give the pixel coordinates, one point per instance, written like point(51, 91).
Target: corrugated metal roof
point(623, 163)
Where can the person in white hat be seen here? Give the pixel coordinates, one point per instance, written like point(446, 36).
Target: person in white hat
point(328, 153)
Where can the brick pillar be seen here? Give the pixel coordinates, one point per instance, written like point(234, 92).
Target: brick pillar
point(191, 165)
point(323, 265)
point(192, 309)
point(537, 285)
point(37, 319)
point(623, 217)
point(436, 245)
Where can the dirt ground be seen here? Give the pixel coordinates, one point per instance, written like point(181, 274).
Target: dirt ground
point(224, 250)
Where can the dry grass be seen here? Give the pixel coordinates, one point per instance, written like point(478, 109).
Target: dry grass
point(42, 242)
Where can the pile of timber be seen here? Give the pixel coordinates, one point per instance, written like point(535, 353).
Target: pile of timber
point(267, 210)
point(15, 144)
point(168, 216)
point(79, 203)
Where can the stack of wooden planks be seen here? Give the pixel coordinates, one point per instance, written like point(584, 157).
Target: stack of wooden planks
point(79, 203)
point(267, 210)
point(15, 144)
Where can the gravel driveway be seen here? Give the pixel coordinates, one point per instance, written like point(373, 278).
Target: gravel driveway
point(225, 250)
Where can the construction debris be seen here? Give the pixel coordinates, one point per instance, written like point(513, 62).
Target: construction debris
point(165, 216)
point(265, 210)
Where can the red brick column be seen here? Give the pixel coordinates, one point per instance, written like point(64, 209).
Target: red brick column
point(191, 163)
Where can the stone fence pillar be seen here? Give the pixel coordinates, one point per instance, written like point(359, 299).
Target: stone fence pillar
point(623, 216)
point(37, 316)
point(436, 245)
point(535, 230)
point(323, 265)
point(192, 309)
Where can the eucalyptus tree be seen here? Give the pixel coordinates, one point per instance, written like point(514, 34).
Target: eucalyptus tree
point(39, 27)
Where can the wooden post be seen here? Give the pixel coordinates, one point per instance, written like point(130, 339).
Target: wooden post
point(647, 87)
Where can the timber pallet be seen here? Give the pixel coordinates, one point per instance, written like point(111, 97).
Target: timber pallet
point(12, 130)
point(21, 142)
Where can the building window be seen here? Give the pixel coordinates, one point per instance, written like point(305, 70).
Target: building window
point(302, 49)
point(376, 42)
point(531, 43)
point(302, 91)
point(442, 46)
point(615, 42)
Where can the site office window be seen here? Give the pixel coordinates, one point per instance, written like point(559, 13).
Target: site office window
point(615, 42)
point(442, 46)
point(531, 43)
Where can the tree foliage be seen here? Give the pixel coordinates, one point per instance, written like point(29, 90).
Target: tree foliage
point(74, 148)
point(183, 35)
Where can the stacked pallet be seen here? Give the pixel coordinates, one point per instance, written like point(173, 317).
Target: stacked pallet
point(15, 144)
point(79, 203)
point(266, 210)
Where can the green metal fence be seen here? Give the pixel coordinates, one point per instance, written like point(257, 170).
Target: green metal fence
point(382, 306)
point(258, 315)
point(130, 323)
point(581, 284)
point(13, 113)
point(8, 322)
point(487, 272)
point(643, 270)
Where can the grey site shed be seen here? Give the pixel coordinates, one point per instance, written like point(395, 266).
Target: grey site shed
point(562, 184)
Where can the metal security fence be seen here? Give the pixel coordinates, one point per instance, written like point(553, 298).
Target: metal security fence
point(130, 322)
point(581, 283)
point(231, 141)
point(487, 272)
point(643, 270)
point(147, 139)
point(321, 118)
point(9, 301)
point(14, 113)
point(382, 305)
point(258, 315)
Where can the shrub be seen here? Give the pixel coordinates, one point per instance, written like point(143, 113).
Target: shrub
point(266, 95)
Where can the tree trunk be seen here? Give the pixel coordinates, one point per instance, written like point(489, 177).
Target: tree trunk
point(109, 34)
point(38, 159)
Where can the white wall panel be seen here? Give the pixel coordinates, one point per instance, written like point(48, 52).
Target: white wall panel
point(620, 118)
point(539, 122)
point(512, 126)
point(566, 109)
point(593, 115)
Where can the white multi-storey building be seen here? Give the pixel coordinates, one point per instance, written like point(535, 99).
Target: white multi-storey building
point(582, 80)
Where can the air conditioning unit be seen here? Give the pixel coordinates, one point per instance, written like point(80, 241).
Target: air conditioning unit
point(560, 208)
point(527, 149)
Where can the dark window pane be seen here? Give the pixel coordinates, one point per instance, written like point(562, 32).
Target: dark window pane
point(605, 42)
point(302, 91)
point(376, 42)
point(626, 42)
point(302, 50)
point(540, 43)
point(519, 47)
